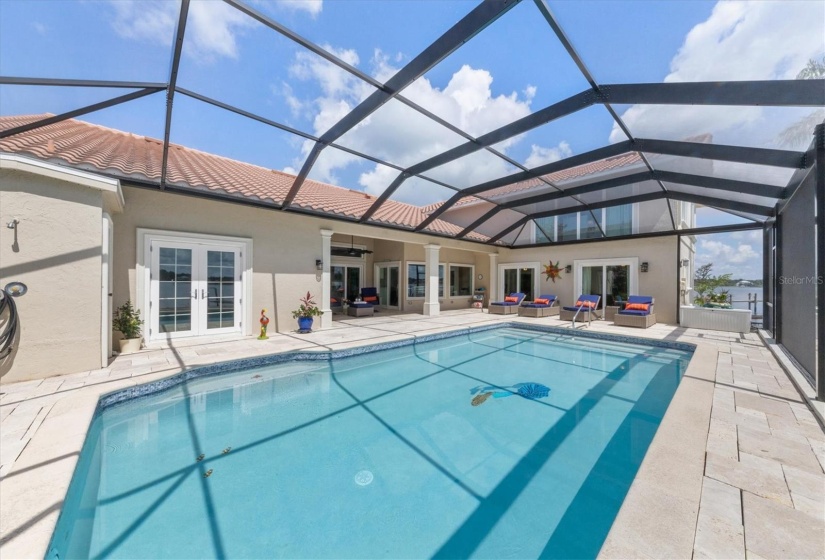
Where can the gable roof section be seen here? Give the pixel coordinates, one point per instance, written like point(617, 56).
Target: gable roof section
point(97, 148)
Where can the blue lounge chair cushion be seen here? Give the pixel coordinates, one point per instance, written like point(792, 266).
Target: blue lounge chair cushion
point(518, 295)
point(638, 299)
point(550, 297)
point(633, 312)
point(595, 299)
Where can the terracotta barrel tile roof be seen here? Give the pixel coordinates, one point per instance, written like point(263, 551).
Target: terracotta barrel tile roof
point(601, 166)
point(97, 148)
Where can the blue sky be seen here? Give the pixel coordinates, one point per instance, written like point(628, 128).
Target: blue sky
point(512, 68)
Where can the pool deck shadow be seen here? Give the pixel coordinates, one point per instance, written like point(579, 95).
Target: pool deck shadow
point(701, 490)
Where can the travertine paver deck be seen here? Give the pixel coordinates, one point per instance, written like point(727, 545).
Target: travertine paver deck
point(758, 491)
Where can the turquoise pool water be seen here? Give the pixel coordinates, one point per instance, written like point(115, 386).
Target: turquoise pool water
point(505, 443)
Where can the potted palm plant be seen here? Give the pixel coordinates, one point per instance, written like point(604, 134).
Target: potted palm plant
point(128, 322)
point(305, 313)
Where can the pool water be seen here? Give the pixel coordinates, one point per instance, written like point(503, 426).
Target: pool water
point(505, 443)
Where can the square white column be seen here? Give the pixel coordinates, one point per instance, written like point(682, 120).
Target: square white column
point(326, 255)
point(493, 283)
point(431, 305)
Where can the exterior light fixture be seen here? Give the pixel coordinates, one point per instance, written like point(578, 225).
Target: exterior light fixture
point(319, 264)
point(568, 269)
point(644, 267)
point(685, 262)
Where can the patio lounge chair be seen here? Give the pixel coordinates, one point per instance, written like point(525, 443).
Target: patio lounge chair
point(336, 305)
point(583, 310)
point(509, 306)
point(370, 295)
point(637, 312)
point(543, 306)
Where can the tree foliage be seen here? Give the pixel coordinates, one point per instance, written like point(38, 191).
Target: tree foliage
point(798, 135)
point(706, 284)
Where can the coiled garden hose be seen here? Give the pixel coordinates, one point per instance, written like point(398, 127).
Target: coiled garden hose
point(8, 329)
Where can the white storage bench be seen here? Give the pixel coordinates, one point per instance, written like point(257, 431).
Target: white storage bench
point(729, 320)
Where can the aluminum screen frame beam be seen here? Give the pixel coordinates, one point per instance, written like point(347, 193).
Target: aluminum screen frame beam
point(819, 167)
point(653, 234)
point(64, 82)
point(467, 27)
point(170, 88)
point(568, 46)
point(722, 152)
point(705, 200)
point(713, 183)
point(773, 93)
point(82, 111)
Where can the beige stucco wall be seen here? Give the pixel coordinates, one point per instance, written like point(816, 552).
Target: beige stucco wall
point(285, 245)
point(660, 282)
point(57, 254)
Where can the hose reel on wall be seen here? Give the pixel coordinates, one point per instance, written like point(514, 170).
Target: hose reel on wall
point(10, 326)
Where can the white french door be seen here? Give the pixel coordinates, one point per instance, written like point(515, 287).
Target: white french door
point(195, 289)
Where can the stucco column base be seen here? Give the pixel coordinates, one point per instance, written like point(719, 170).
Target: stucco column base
point(431, 304)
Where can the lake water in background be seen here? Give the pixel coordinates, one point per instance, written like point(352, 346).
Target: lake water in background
point(740, 296)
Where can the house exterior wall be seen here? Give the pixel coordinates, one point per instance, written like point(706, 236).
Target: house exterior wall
point(660, 282)
point(57, 253)
point(285, 245)
point(446, 256)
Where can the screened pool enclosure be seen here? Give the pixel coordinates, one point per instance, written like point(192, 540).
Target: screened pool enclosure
point(747, 180)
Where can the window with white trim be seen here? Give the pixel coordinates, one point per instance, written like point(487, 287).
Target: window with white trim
point(461, 279)
point(417, 278)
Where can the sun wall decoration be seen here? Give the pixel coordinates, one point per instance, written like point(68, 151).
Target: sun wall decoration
point(552, 271)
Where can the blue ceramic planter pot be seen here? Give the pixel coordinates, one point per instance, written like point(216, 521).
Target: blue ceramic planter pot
point(305, 324)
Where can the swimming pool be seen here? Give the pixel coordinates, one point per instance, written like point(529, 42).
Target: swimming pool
point(506, 443)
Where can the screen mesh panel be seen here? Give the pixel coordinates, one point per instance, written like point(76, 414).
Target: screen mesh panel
point(797, 283)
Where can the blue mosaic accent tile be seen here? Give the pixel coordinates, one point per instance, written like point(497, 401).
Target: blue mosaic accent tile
point(153, 387)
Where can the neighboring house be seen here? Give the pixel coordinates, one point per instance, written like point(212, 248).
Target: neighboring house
point(202, 257)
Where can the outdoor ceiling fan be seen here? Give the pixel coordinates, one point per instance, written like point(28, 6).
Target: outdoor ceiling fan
point(353, 252)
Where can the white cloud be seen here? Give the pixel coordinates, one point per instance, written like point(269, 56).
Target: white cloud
point(211, 29)
point(741, 40)
point(398, 134)
point(39, 28)
point(754, 236)
point(540, 156)
point(312, 7)
point(739, 259)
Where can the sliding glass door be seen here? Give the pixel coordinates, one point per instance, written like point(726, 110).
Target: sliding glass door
point(613, 280)
point(346, 281)
point(389, 277)
point(519, 278)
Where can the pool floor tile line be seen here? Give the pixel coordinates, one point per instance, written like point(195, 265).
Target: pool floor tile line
point(749, 400)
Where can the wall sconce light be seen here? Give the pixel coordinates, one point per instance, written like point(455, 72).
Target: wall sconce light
point(319, 264)
point(644, 266)
point(685, 263)
point(568, 269)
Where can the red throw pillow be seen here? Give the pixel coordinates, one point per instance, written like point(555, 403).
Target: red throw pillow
point(370, 298)
point(582, 303)
point(511, 299)
point(638, 306)
point(333, 300)
point(541, 301)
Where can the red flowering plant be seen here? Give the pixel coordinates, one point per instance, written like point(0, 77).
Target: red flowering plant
point(308, 308)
